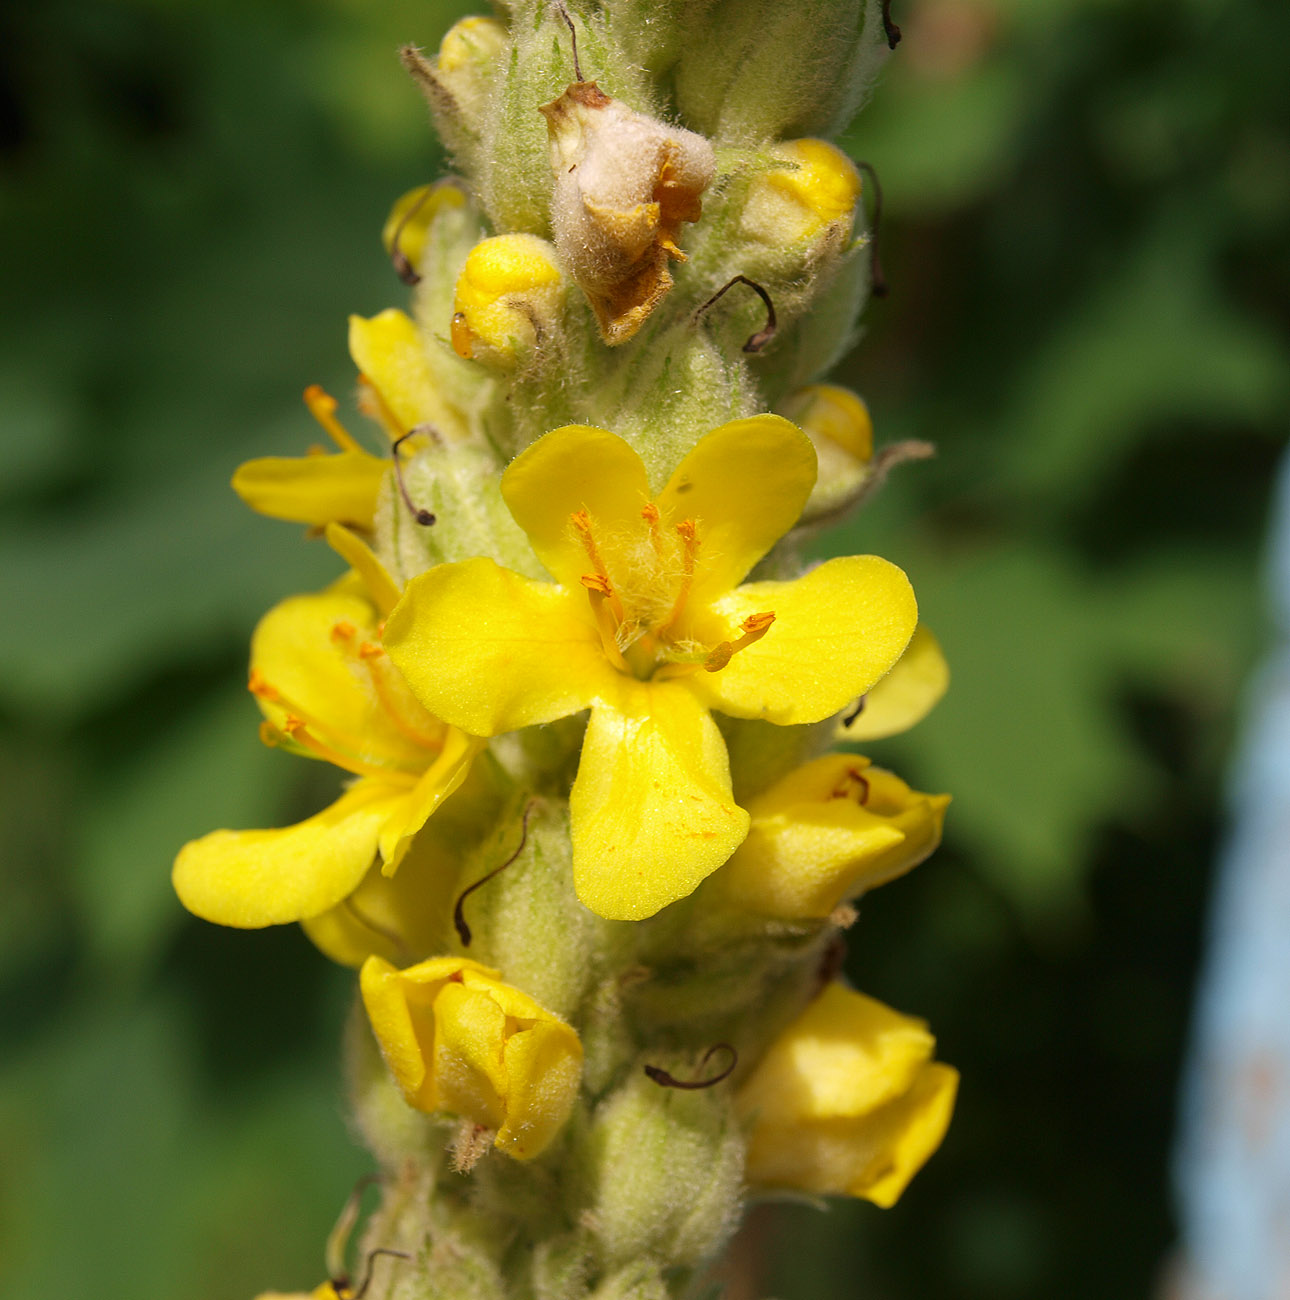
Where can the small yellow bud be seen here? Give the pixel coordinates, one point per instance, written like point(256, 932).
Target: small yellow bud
point(509, 295)
point(405, 230)
point(810, 195)
point(829, 831)
point(458, 1039)
point(470, 43)
point(908, 693)
point(624, 185)
point(847, 1101)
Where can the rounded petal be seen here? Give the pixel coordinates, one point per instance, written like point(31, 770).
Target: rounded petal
point(490, 651)
point(744, 484)
point(304, 672)
point(251, 879)
point(905, 696)
point(565, 471)
point(315, 490)
point(837, 630)
point(651, 808)
point(543, 1066)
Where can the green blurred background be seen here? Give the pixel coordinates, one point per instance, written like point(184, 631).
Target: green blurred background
point(1086, 209)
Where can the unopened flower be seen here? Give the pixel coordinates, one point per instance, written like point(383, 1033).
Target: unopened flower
point(847, 1100)
point(624, 185)
point(905, 696)
point(509, 296)
point(458, 1039)
point(407, 227)
point(809, 196)
point(328, 691)
point(646, 626)
point(826, 832)
point(838, 423)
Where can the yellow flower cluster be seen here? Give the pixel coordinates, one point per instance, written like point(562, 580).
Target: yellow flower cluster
point(622, 589)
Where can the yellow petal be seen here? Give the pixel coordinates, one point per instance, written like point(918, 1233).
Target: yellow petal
point(400, 1005)
point(905, 696)
point(744, 484)
point(389, 351)
point(362, 559)
point(250, 879)
point(490, 651)
point(846, 1100)
point(319, 680)
point(651, 808)
point(401, 918)
point(313, 489)
point(470, 1029)
point(569, 470)
point(543, 1066)
point(439, 780)
point(837, 630)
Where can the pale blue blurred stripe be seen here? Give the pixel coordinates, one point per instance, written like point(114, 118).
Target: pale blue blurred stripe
point(1233, 1159)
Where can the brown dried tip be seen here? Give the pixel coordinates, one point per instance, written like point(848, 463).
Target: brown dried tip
point(889, 28)
point(666, 1080)
point(458, 914)
point(423, 516)
point(757, 341)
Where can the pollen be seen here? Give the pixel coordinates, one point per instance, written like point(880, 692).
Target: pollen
point(343, 630)
point(259, 687)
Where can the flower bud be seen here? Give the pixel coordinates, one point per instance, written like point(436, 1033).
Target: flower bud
point(624, 185)
point(828, 831)
point(807, 197)
point(458, 1039)
point(407, 227)
point(847, 1101)
point(509, 296)
point(838, 423)
point(904, 697)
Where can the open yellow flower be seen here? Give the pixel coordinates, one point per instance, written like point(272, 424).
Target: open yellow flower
point(645, 625)
point(847, 1101)
point(328, 691)
point(458, 1039)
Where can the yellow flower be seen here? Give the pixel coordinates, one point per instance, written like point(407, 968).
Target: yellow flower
point(328, 691)
point(396, 389)
point(847, 1101)
point(407, 227)
point(645, 625)
point(458, 1039)
point(828, 831)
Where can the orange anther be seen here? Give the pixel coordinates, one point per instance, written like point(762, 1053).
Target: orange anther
point(259, 687)
point(649, 513)
point(322, 406)
point(370, 651)
point(293, 726)
point(754, 627)
point(688, 531)
point(756, 624)
point(343, 630)
point(597, 582)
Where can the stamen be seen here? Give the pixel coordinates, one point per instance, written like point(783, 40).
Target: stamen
point(853, 780)
point(423, 516)
point(689, 556)
point(343, 630)
point(581, 522)
point(402, 267)
point(601, 593)
point(322, 406)
point(755, 626)
point(890, 29)
point(649, 513)
point(260, 688)
point(763, 336)
point(379, 670)
point(666, 1080)
point(878, 285)
point(458, 916)
point(298, 730)
point(374, 403)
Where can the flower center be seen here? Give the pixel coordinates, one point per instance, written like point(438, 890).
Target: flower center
point(640, 589)
point(309, 732)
